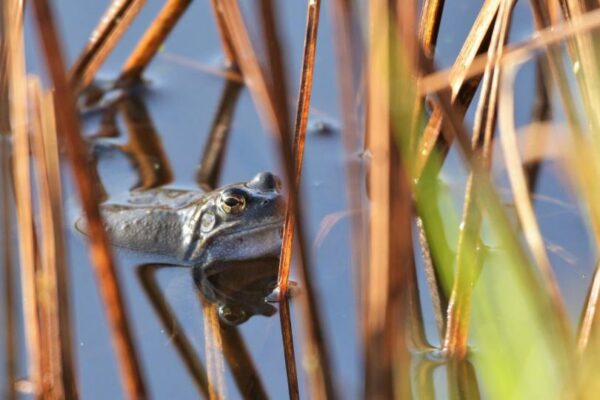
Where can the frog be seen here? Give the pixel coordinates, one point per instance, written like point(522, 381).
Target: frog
point(239, 221)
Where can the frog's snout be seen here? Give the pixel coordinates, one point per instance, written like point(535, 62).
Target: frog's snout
point(265, 181)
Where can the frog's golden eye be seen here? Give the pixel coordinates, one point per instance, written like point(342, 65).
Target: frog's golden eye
point(232, 202)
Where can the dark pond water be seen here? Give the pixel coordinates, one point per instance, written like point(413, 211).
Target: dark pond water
point(181, 100)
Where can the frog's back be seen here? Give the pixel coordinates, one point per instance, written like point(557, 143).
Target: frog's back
point(153, 221)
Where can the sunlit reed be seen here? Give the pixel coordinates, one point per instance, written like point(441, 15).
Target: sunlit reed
point(68, 125)
point(153, 39)
point(112, 25)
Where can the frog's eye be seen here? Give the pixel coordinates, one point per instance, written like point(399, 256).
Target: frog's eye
point(232, 202)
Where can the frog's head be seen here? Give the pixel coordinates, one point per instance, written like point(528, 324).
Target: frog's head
point(236, 222)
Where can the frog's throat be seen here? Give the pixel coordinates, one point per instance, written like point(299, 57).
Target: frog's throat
point(256, 242)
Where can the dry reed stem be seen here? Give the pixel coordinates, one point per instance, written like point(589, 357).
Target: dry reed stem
point(53, 275)
point(589, 319)
point(439, 300)
point(99, 249)
point(13, 14)
point(467, 270)
point(524, 207)
point(213, 349)
point(6, 215)
point(240, 363)
point(308, 60)
point(288, 348)
point(154, 37)
point(463, 89)
point(429, 25)
point(173, 329)
point(229, 74)
point(61, 272)
point(348, 44)
point(318, 368)
point(585, 59)
point(144, 144)
point(541, 113)
point(4, 88)
point(10, 339)
point(306, 78)
point(390, 245)
point(437, 81)
point(214, 149)
point(112, 25)
point(224, 35)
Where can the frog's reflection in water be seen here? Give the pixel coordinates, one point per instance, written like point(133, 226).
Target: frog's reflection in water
point(239, 289)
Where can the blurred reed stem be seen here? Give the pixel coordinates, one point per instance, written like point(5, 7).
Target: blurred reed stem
point(115, 21)
point(13, 14)
point(390, 246)
point(228, 51)
point(100, 253)
point(154, 37)
point(53, 277)
point(522, 200)
point(6, 213)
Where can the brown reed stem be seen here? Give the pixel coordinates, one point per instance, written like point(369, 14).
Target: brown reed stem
point(387, 315)
point(589, 317)
point(144, 145)
point(213, 348)
point(348, 47)
point(10, 364)
point(308, 62)
point(288, 348)
point(13, 14)
point(6, 212)
point(53, 275)
point(273, 115)
point(240, 363)
point(173, 329)
point(154, 37)
point(224, 35)
point(214, 149)
point(100, 250)
point(463, 89)
point(112, 25)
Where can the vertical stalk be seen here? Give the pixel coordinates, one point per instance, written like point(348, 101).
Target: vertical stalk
point(106, 274)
